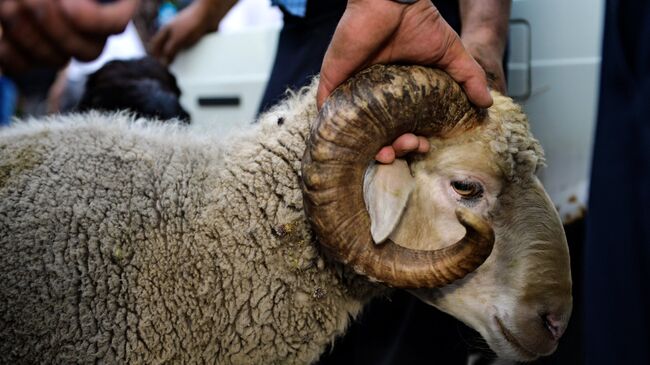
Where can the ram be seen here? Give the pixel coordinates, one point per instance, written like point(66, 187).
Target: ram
point(128, 241)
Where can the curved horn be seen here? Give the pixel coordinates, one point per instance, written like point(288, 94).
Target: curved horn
point(361, 116)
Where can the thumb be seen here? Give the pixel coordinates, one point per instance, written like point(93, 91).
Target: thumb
point(96, 18)
point(477, 91)
point(462, 67)
point(157, 42)
point(339, 64)
point(160, 46)
point(325, 88)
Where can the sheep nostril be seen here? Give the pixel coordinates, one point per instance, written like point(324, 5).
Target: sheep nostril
point(554, 325)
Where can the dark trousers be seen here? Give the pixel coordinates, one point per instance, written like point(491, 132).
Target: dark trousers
point(301, 48)
point(617, 259)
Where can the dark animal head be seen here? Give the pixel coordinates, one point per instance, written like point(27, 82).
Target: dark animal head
point(143, 86)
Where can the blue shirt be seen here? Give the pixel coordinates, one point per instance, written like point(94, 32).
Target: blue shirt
point(295, 7)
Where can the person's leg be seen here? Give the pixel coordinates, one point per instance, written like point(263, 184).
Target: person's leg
point(617, 260)
point(301, 48)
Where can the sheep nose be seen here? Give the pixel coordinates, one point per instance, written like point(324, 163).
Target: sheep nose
point(554, 325)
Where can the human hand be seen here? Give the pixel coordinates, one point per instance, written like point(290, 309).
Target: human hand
point(381, 31)
point(183, 31)
point(403, 145)
point(49, 32)
point(484, 34)
point(492, 62)
point(187, 28)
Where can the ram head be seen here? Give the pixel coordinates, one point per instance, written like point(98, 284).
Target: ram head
point(466, 227)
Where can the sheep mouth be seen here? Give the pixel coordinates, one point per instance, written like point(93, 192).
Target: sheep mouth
point(510, 338)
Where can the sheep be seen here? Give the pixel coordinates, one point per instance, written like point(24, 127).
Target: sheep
point(124, 241)
point(144, 86)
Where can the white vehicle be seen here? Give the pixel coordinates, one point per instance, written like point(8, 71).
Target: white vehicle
point(554, 69)
point(554, 65)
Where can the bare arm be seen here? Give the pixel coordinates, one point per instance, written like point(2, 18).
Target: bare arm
point(382, 31)
point(191, 24)
point(49, 32)
point(484, 34)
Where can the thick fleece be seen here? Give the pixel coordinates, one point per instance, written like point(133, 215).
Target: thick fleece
point(130, 241)
point(133, 243)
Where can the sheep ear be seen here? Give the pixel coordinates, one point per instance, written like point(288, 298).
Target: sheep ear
point(386, 190)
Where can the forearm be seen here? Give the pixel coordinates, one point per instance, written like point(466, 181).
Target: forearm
point(485, 22)
point(214, 11)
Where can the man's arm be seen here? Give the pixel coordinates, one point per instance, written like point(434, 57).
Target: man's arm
point(192, 23)
point(484, 34)
point(383, 31)
point(49, 32)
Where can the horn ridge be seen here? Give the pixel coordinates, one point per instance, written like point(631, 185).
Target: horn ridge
point(367, 112)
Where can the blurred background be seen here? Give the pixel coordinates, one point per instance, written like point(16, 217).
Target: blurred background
point(554, 57)
point(552, 69)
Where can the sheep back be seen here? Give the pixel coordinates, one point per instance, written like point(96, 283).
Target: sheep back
point(133, 242)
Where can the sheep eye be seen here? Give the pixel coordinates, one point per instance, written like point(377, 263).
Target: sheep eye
point(467, 189)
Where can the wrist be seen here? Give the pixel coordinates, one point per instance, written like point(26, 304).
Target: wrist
point(207, 8)
point(485, 38)
point(210, 12)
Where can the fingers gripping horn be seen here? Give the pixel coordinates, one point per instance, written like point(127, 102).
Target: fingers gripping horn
point(367, 112)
